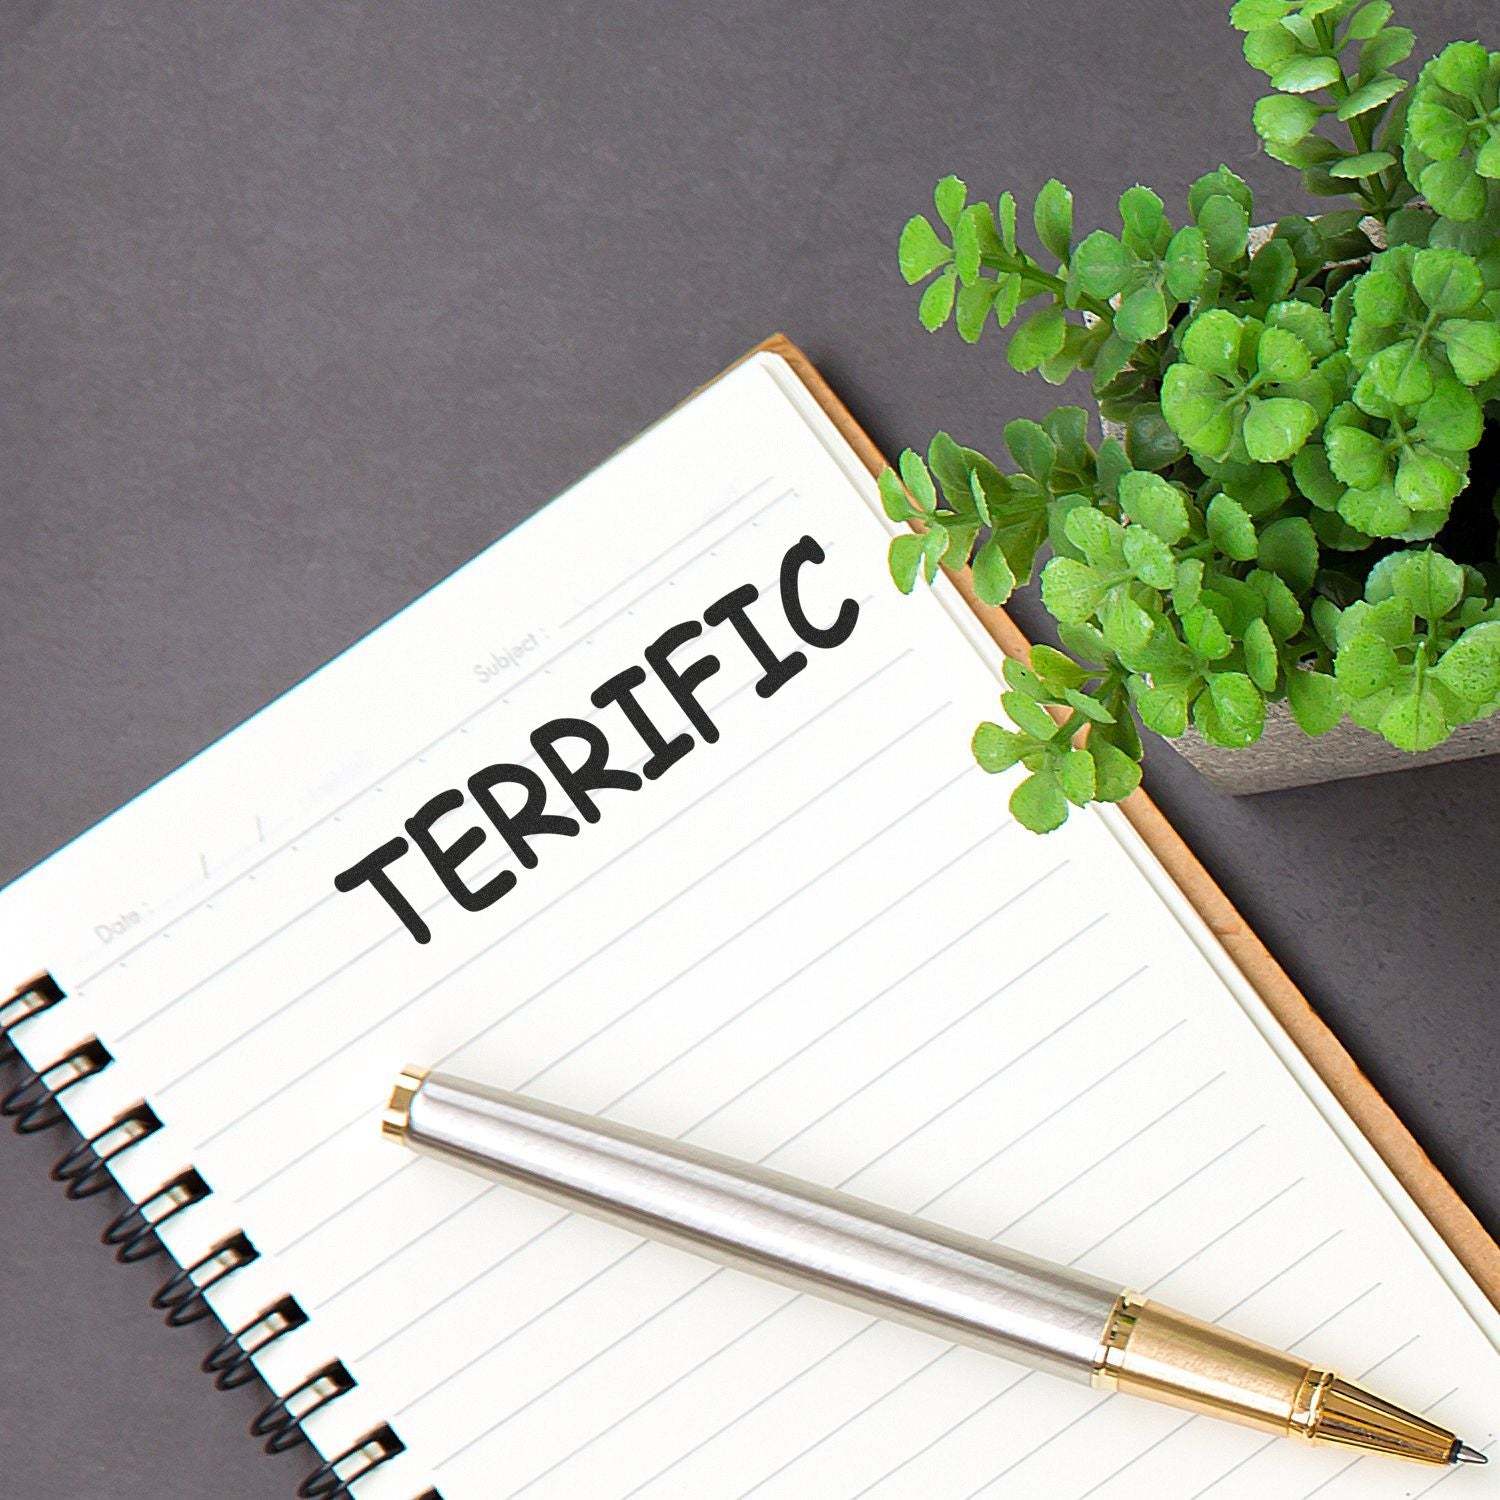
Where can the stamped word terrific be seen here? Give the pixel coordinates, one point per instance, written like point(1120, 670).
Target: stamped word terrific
point(586, 769)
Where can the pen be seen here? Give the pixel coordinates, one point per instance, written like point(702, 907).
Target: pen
point(892, 1265)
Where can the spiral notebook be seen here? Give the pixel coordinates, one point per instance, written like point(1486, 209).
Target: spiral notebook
point(663, 807)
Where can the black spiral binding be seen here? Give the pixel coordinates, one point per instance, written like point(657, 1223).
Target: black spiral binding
point(84, 1170)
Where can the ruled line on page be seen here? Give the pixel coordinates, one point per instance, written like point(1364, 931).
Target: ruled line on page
point(1151, 1448)
point(453, 728)
point(681, 973)
point(1254, 1213)
point(801, 1374)
point(1004, 1067)
point(984, 920)
point(963, 1098)
point(505, 857)
point(825, 952)
point(598, 870)
point(354, 1120)
point(1270, 1443)
point(646, 567)
point(594, 1277)
point(869, 1327)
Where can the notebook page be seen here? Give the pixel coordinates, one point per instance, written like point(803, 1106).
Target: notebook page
point(816, 941)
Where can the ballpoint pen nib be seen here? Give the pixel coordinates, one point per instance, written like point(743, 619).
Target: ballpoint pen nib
point(1464, 1454)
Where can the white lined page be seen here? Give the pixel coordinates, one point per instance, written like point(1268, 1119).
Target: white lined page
point(818, 942)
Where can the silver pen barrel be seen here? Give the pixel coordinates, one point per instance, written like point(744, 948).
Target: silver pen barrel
point(891, 1265)
point(957, 1286)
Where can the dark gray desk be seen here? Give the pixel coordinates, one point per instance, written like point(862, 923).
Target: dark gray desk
point(305, 304)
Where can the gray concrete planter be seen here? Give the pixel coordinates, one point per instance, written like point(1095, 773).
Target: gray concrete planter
point(1284, 756)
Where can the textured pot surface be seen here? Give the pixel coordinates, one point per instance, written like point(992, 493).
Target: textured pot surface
point(1284, 756)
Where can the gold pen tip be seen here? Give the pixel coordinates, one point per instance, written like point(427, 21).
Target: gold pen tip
point(397, 1116)
point(1464, 1454)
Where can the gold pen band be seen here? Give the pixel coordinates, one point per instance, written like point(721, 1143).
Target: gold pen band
point(1157, 1352)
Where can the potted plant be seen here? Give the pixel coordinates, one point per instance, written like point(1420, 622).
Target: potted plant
point(1292, 517)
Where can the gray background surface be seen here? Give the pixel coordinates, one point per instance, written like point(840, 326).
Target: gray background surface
point(303, 305)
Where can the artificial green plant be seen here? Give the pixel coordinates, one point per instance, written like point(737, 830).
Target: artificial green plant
point(1290, 505)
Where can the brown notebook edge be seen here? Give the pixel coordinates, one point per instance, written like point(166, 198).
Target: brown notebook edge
point(1454, 1221)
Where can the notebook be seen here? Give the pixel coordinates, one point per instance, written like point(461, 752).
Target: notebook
point(736, 882)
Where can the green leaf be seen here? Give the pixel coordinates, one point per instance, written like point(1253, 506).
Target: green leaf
point(1391, 45)
point(1126, 625)
point(1150, 442)
point(905, 561)
point(1187, 264)
point(1056, 669)
point(1116, 774)
point(918, 481)
point(1149, 558)
point(1357, 457)
point(1427, 481)
point(1039, 803)
point(1470, 667)
point(1368, 20)
point(1285, 118)
point(997, 749)
point(1150, 501)
point(1302, 75)
point(1071, 590)
point(949, 198)
point(1462, 68)
point(1031, 448)
point(1415, 721)
point(1232, 530)
point(1261, 659)
point(921, 252)
point(1053, 217)
point(935, 542)
point(974, 304)
point(1473, 348)
point(1189, 584)
point(1365, 665)
point(894, 499)
point(1276, 428)
point(1142, 219)
point(1315, 699)
point(1006, 211)
point(1205, 636)
point(1431, 583)
point(1037, 339)
point(1212, 343)
point(1164, 709)
point(1238, 706)
point(994, 582)
point(1091, 708)
point(1289, 549)
point(1366, 164)
point(1252, 15)
point(1273, 271)
point(1029, 716)
point(1197, 405)
point(1226, 229)
point(1142, 314)
point(1100, 265)
point(1075, 774)
point(1282, 612)
point(1448, 281)
point(1380, 298)
point(1221, 181)
point(1454, 189)
point(1281, 355)
point(1371, 96)
point(1451, 417)
point(937, 301)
